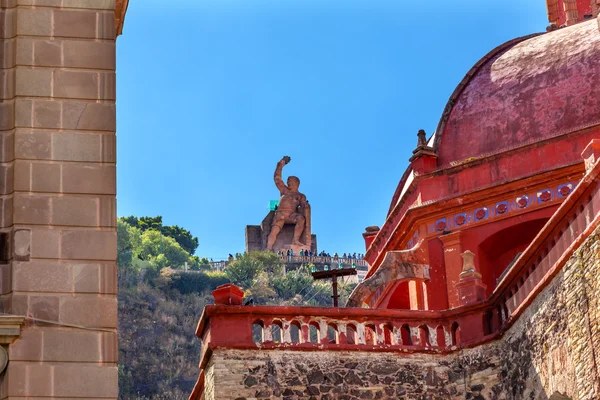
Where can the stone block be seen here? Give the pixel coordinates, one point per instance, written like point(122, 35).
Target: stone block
point(44, 307)
point(76, 84)
point(29, 379)
point(43, 276)
point(6, 179)
point(47, 114)
point(77, 147)
point(108, 278)
point(45, 177)
point(33, 82)
point(33, 144)
point(89, 310)
point(107, 25)
point(75, 210)
point(23, 111)
point(89, 245)
point(6, 279)
point(8, 55)
point(89, 116)
point(31, 209)
point(7, 115)
point(78, 24)
point(24, 46)
point(29, 347)
point(8, 23)
point(7, 212)
point(45, 243)
point(97, 179)
point(90, 381)
point(109, 148)
point(72, 346)
point(95, 4)
point(47, 53)
point(108, 211)
point(19, 304)
point(22, 244)
point(7, 146)
point(34, 21)
point(88, 278)
point(88, 54)
point(7, 84)
point(22, 176)
point(107, 86)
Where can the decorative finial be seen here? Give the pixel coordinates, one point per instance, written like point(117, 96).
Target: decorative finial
point(469, 270)
point(468, 261)
point(422, 138)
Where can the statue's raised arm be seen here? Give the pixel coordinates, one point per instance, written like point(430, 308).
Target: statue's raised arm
point(277, 176)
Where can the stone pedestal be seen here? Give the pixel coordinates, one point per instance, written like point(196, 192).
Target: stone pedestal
point(470, 287)
point(256, 237)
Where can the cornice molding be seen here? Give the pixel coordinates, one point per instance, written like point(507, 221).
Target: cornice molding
point(120, 10)
point(10, 327)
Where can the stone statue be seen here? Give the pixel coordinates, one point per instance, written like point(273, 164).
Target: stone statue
point(293, 208)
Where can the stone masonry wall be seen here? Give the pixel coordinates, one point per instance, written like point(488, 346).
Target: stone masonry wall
point(550, 352)
point(57, 196)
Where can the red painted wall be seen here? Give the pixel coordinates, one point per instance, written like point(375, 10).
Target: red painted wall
point(436, 288)
point(491, 256)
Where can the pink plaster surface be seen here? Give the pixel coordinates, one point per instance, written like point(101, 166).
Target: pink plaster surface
point(538, 88)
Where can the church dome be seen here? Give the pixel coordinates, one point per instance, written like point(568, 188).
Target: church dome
point(526, 90)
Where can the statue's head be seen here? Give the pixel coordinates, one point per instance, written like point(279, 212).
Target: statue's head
point(293, 183)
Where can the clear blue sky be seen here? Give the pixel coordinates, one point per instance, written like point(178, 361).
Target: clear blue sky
point(211, 94)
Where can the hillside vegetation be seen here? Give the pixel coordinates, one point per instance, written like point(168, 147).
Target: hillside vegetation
point(160, 304)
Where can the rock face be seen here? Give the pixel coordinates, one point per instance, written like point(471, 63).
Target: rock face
point(549, 353)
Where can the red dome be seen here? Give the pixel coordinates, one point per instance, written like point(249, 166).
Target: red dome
point(526, 90)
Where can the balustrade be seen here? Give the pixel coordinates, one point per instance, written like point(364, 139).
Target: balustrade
point(318, 331)
point(332, 261)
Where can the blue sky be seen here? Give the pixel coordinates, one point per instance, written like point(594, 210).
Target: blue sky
point(211, 94)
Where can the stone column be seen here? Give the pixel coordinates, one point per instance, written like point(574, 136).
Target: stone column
point(58, 155)
point(453, 261)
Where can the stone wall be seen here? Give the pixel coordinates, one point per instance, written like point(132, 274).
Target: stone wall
point(57, 196)
point(550, 352)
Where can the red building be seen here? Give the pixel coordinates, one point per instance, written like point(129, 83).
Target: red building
point(484, 279)
point(505, 155)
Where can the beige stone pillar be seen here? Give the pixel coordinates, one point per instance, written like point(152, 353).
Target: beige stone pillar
point(57, 149)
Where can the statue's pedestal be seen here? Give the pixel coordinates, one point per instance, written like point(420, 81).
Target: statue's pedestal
point(294, 248)
point(256, 237)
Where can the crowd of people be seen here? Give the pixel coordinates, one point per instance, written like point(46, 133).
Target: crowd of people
point(309, 253)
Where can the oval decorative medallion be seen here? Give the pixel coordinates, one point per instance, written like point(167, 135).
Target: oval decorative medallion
point(564, 190)
point(545, 196)
point(460, 219)
point(501, 208)
point(440, 226)
point(480, 214)
point(522, 202)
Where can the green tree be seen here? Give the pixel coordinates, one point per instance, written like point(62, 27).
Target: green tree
point(244, 270)
point(155, 244)
point(292, 284)
point(129, 243)
point(182, 236)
